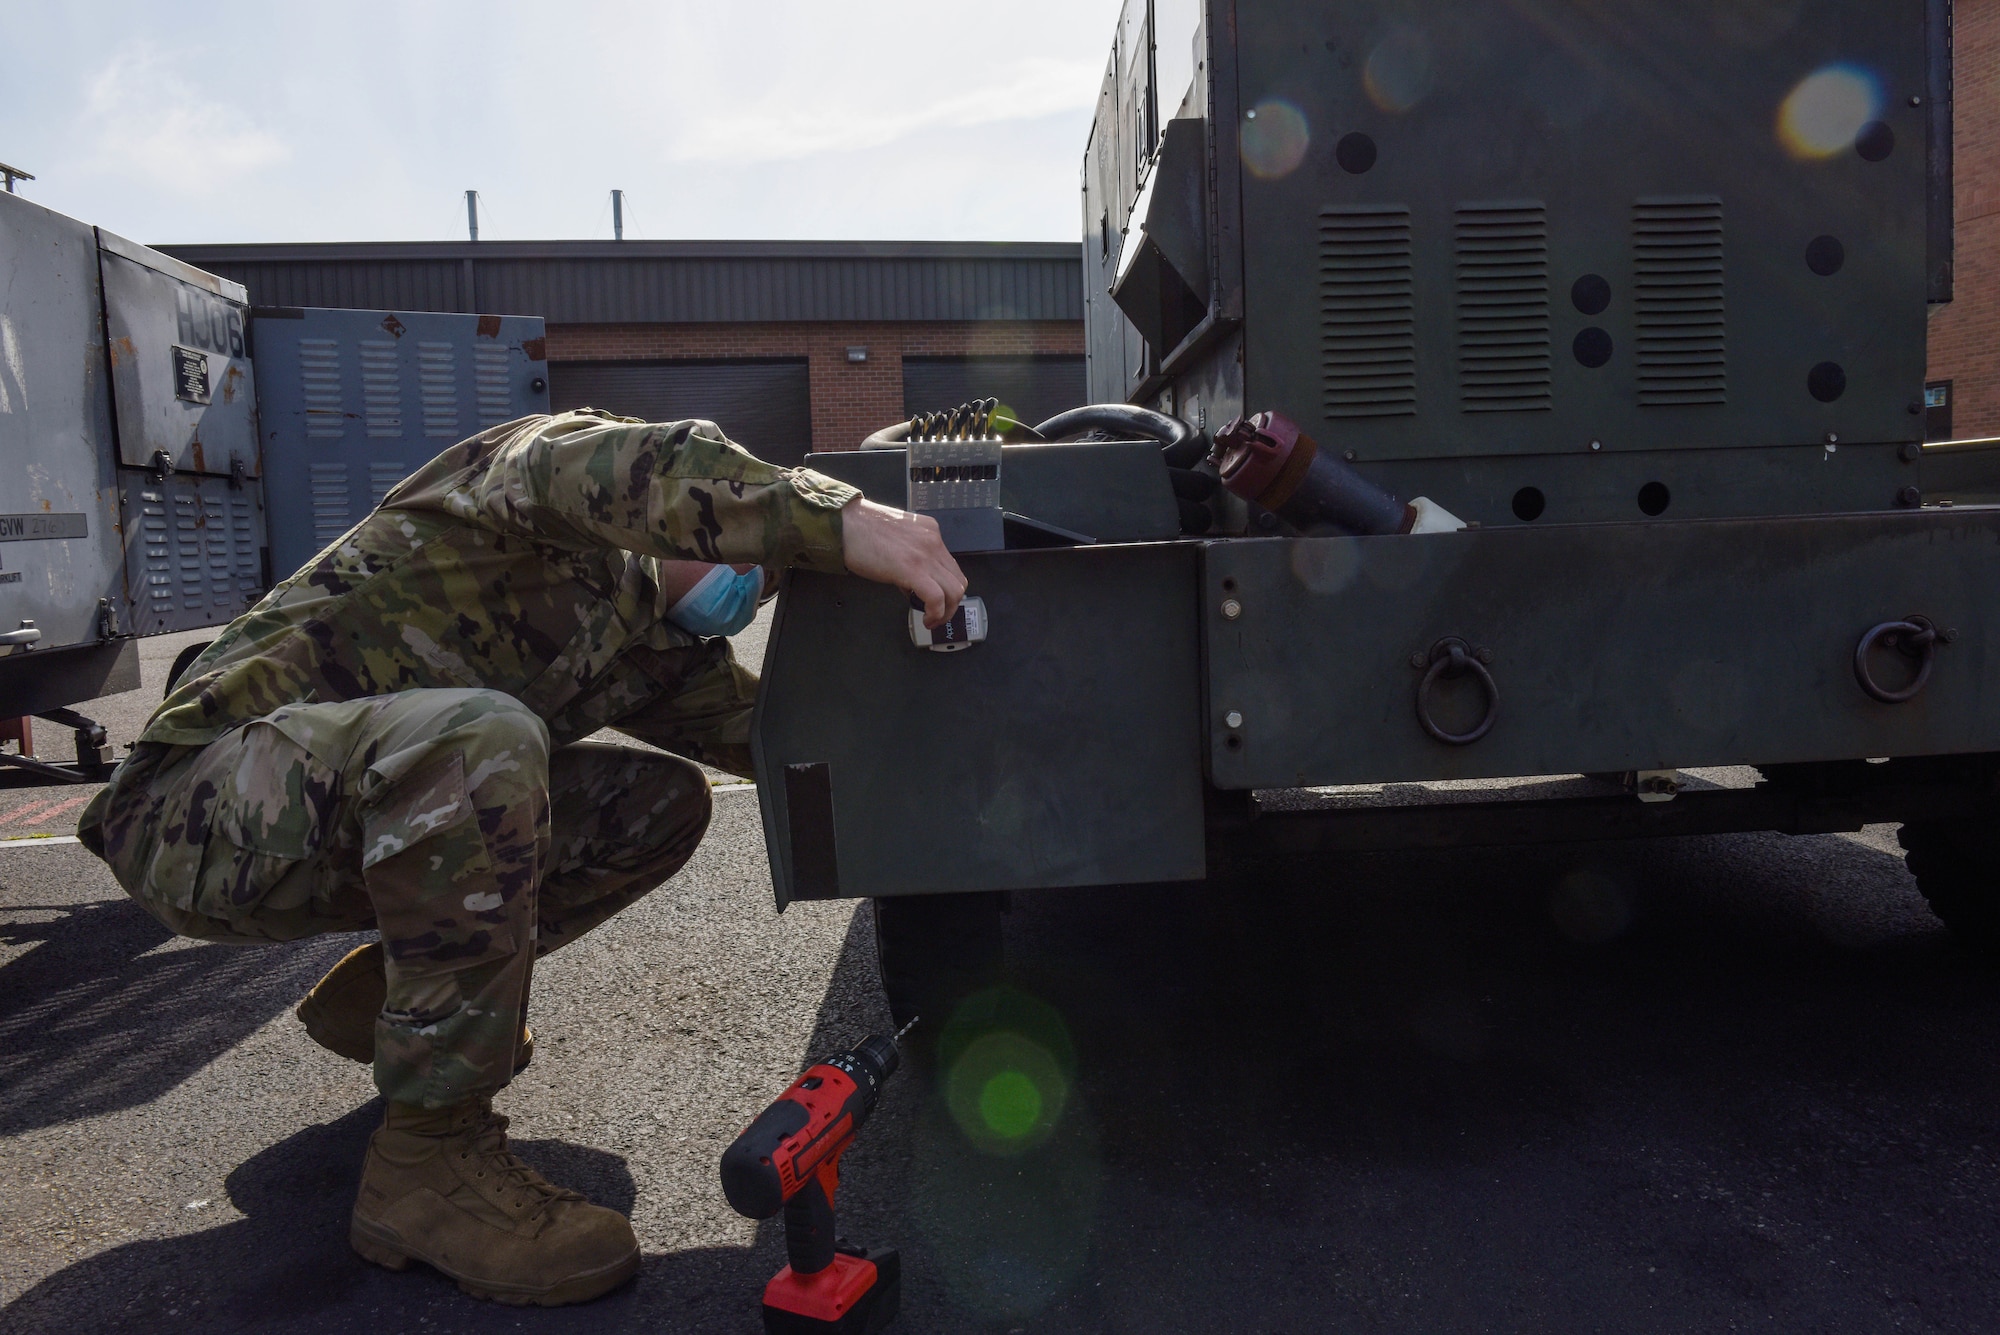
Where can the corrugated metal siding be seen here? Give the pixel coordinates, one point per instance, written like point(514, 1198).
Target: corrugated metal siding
point(590, 283)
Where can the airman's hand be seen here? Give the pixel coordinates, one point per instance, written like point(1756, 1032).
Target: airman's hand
point(904, 549)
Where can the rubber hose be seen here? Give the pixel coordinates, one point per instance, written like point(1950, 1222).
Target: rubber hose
point(889, 438)
point(1180, 444)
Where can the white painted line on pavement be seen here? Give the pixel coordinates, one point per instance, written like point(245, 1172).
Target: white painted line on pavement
point(733, 788)
point(38, 840)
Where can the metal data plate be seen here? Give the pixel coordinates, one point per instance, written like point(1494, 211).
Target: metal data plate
point(60, 547)
point(1613, 646)
point(180, 363)
point(353, 402)
point(1063, 751)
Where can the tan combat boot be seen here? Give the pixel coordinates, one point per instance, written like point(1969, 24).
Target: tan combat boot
point(339, 1013)
point(440, 1186)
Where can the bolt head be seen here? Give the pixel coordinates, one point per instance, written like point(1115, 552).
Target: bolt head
point(1832, 438)
point(1233, 719)
point(1484, 655)
point(1915, 100)
point(1596, 444)
point(1349, 456)
point(1909, 496)
point(1416, 660)
point(1231, 609)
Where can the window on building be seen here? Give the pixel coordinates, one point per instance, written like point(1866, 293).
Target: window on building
point(1937, 410)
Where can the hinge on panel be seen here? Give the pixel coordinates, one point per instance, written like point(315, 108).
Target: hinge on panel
point(107, 620)
point(237, 472)
point(161, 468)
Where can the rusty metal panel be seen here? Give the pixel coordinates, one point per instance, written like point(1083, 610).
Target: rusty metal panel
point(181, 379)
point(61, 563)
point(352, 402)
point(1612, 647)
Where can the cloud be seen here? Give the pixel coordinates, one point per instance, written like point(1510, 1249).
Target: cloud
point(141, 117)
point(767, 132)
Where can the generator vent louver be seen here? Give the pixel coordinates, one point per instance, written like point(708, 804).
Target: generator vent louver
point(1677, 263)
point(1367, 313)
point(1502, 252)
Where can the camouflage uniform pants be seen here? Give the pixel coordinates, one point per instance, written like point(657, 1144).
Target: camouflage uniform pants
point(441, 817)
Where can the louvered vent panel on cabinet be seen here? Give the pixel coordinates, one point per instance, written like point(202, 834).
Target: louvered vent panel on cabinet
point(1502, 279)
point(1367, 326)
point(1677, 267)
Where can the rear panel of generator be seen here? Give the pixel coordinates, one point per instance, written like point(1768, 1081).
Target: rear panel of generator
point(1536, 258)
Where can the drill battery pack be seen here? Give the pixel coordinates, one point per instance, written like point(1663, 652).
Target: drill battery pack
point(856, 1295)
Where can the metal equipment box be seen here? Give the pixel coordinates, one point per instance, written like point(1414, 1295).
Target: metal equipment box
point(131, 416)
point(1637, 288)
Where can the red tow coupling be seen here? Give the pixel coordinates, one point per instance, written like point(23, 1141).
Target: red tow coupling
point(1267, 460)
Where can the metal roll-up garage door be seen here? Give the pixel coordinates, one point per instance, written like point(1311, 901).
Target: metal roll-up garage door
point(1036, 388)
point(764, 406)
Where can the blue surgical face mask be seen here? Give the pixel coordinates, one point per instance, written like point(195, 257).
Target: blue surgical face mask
point(722, 602)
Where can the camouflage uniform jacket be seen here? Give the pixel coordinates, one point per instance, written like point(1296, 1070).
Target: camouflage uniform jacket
point(523, 560)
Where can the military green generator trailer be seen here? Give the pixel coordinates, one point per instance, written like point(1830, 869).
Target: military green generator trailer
point(1637, 289)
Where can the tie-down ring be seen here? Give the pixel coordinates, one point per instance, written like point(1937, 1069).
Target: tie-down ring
point(1452, 657)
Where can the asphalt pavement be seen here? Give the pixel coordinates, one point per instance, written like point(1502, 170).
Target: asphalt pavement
point(1695, 1085)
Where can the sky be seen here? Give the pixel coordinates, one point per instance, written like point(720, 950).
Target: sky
point(361, 120)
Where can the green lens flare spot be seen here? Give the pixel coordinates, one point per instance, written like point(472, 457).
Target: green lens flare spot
point(1010, 1105)
point(1006, 1093)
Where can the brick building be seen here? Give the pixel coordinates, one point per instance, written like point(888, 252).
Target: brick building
point(1964, 375)
point(789, 345)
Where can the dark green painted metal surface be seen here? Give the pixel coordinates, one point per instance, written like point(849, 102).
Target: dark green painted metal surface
point(1963, 472)
point(1064, 751)
point(1114, 491)
point(1615, 647)
point(1544, 140)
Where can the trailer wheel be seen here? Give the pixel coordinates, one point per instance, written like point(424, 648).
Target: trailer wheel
point(182, 661)
point(934, 952)
point(1957, 866)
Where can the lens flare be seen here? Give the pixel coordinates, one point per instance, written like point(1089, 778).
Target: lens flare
point(1010, 1105)
point(1006, 1093)
point(1398, 73)
point(1822, 115)
point(1274, 139)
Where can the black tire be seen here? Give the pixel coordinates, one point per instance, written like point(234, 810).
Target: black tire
point(182, 661)
point(934, 952)
point(1957, 866)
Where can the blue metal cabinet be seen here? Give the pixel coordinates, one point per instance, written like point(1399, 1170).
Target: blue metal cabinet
point(353, 402)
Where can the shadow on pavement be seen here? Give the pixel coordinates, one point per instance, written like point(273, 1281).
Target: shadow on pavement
point(286, 1265)
point(94, 1018)
point(1694, 1085)
point(1658, 1087)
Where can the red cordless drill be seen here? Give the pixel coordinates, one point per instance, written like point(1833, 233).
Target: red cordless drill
point(789, 1158)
